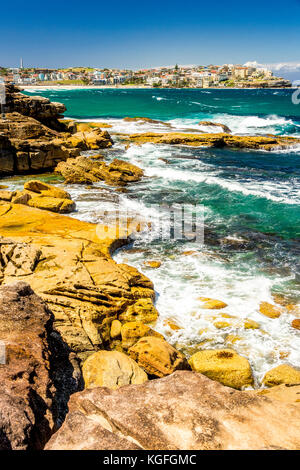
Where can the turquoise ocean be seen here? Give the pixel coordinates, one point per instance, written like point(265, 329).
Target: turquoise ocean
point(251, 206)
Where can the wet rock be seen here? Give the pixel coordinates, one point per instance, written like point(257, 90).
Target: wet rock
point(157, 357)
point(152, 264)
point(111, 369)
point(183, 411)
point(296, 323)
point(212, 303)
point(269, 310)
point(224, 365)
point(144, 120)
point(142, 310)
point(283, 374)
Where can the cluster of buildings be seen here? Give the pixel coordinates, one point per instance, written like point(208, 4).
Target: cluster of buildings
point(228, 75)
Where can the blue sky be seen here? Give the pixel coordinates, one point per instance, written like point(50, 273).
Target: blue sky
point(136, 34)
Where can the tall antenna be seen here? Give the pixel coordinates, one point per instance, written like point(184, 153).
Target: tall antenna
point(21, 63)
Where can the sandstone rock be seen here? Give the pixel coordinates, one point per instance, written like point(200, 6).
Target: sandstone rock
point(26, 146)
point(223, 365)
point(144, 120)
point(171, 324)
point(69, 266)
point(296, 323)
point(215, 124)
point(157, 357)
point(269, 310)
point(45, 189)
point(37, 107)
point(212, 303)
point(214, 140)
point(183, 411)
point(83, 170)
point(131, 332)
point(92, 140)
point(36, 375)
point(283, 374)
point(115, 329)
point(283, 392)
point(53, 204)
point(142, 310)
point(111, 369)
point(221, 324)
point(152, 264)
point(250, 324)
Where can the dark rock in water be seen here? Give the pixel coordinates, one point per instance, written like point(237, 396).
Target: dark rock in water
point(36, 374)
point(183, 411)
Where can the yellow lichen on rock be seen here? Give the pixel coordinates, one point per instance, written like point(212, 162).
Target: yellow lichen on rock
point(157, 357)
point(269, 310)
point(224, 365)
point(111, 369)
point(283, 374)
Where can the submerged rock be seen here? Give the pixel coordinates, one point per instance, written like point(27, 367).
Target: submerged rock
point(269, 310)
point(223, 365)
point(157, 357)
point(211, 304)
point(283, 374)
point(111, 369)
point(183, 411)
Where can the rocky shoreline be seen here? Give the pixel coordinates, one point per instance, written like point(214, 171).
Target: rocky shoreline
point(75, 323)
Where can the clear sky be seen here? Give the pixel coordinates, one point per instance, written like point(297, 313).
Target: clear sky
point(137, 34)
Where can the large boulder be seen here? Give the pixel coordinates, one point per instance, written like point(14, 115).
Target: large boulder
point(36, 376)
point(40, 195)
point(283, 374)
point(184, 411)
point(83, 170)
point(223, 365)
point(112, 369)
point(157, 357)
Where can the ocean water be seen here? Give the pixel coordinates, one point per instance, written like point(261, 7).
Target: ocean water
point(251, 206)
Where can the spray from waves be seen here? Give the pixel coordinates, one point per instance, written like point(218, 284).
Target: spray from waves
point(273, 191)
